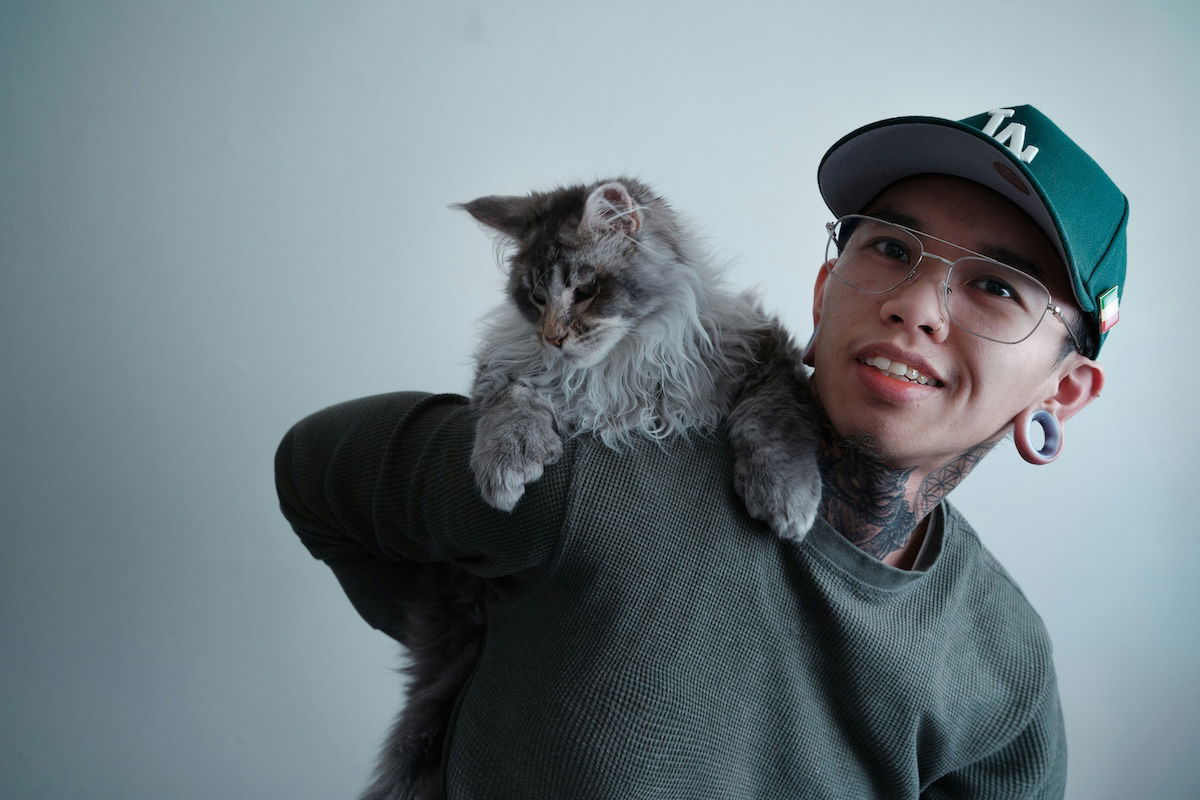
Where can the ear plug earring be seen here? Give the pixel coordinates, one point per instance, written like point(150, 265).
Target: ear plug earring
point(1051, 431)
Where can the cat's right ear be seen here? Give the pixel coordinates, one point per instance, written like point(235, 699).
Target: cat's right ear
point(508, 214)
point(610, 207)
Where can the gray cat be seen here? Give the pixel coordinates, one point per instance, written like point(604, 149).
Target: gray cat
point(616, 326)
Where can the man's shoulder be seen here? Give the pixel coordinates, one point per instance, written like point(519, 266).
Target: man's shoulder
point(995, 612)
point(980, 559)
point(1000, 644)
point(993, 602)
point(675, 473)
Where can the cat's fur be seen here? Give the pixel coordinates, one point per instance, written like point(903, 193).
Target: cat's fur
point(616, 326)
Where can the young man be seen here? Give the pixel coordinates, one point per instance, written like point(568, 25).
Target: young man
point(647, 639)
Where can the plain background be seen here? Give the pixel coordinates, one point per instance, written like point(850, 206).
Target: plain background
point(216, 218)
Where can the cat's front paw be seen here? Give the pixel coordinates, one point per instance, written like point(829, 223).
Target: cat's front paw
point(511, 453)
point(785, 495)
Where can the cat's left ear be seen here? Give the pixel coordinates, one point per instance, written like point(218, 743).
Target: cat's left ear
point(611, 208)
point(508, 214)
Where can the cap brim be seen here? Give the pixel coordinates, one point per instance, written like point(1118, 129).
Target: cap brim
point(865, 162)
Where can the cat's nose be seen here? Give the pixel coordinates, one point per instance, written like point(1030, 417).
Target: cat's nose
point(554, 330)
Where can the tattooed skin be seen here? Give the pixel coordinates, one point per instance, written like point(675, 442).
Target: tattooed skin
point(938, 483)
point(876, 506)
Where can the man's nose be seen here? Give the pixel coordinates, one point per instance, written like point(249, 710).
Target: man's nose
point(920, 301)
point(934, 266)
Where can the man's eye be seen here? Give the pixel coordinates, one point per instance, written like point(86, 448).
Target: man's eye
point(892, 249)
point(996, 288)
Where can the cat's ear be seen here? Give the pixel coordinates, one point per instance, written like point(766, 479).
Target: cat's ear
point(611, 208)
point(508, 214)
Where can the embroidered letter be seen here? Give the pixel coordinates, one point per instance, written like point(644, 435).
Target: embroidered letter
point(1013, 134)
point(998, 116)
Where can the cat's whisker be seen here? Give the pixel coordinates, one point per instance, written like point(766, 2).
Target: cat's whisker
point(500, 251)
point(641, 244)
point(538, 282)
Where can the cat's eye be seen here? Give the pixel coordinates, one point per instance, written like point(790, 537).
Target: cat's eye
point(538, 296)
point(585, 291)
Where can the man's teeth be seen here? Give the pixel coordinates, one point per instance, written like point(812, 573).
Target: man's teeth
point(900, 370)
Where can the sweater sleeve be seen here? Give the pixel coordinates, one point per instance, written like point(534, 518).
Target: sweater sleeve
point(1032, 766)
point(376, 486)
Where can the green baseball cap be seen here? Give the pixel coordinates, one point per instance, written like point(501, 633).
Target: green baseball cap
point(1018, 152)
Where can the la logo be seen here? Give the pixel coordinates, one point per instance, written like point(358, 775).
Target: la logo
point(1013, 134)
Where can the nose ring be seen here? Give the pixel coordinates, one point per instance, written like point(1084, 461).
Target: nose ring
point(941, 324)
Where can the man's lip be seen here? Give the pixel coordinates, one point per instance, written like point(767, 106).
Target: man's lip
point(893, 353)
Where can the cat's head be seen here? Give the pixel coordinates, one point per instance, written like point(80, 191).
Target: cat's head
point(588, 263)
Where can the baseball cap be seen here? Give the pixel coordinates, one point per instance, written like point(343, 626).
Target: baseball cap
point(1018, 152)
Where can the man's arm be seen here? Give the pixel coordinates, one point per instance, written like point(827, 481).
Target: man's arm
point(377, 485)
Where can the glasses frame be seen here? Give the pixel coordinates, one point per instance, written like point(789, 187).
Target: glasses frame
point(920, 236)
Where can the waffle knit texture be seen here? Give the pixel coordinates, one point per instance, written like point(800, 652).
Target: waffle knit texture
point(647, 639)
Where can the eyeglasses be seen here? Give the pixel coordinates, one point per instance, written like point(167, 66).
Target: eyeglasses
point(982, 296)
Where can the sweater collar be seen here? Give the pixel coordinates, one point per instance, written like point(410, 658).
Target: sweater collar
point(866, 568)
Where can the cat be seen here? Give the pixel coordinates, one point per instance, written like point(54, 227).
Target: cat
point(615, 326)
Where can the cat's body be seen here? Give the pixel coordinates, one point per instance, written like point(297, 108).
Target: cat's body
point(616, 327)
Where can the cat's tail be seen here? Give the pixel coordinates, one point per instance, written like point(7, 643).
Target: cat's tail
point(444, 635)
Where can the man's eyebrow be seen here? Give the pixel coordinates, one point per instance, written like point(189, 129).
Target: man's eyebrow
point(895, 217)
point(1006, 256)
point(996, 252)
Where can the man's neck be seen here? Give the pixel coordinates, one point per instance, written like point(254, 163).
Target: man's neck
point(880, 508)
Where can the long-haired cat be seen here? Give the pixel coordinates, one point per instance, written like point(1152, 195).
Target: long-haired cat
point(615, 326)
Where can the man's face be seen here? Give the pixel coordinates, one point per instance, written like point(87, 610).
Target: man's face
point(976, 387)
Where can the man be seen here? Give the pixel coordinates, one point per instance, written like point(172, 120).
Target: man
point(647, 639)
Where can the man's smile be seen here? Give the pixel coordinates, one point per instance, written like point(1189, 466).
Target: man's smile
point(898, 369)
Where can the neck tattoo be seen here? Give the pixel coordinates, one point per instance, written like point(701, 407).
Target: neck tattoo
point(878, 507)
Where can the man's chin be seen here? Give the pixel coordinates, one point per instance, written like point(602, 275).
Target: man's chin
point(872, 448)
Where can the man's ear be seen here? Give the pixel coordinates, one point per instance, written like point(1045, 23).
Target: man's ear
point(1079, 381)
point(819, 291)
point(1078, 386)
point(807, 356)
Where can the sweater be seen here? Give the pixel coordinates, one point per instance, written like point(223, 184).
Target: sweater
point(647, 639)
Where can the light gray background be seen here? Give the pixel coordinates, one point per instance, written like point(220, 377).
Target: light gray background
point(216, 218)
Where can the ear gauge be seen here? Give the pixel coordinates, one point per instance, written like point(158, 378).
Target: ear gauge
point(1051, 431)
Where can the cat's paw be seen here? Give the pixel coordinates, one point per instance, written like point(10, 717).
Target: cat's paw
point(783, 495)
point(511, 453)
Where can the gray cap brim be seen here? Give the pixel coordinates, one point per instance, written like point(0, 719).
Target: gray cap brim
point(865, 162)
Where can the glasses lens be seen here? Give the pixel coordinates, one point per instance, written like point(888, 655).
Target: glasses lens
point(995, 301)
point(872, 255)
point(983, 297)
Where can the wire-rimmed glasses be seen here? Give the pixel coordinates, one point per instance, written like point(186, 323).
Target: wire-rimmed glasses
point(982, 296)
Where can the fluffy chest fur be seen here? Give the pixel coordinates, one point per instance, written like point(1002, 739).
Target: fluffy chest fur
point(671, 372)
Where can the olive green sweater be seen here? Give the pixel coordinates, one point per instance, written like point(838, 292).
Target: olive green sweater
point(646, 639)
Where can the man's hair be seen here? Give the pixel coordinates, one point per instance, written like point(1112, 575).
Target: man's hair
point(1084, 333)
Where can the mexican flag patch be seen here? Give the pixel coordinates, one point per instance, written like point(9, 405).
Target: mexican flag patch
point(1109, 311)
